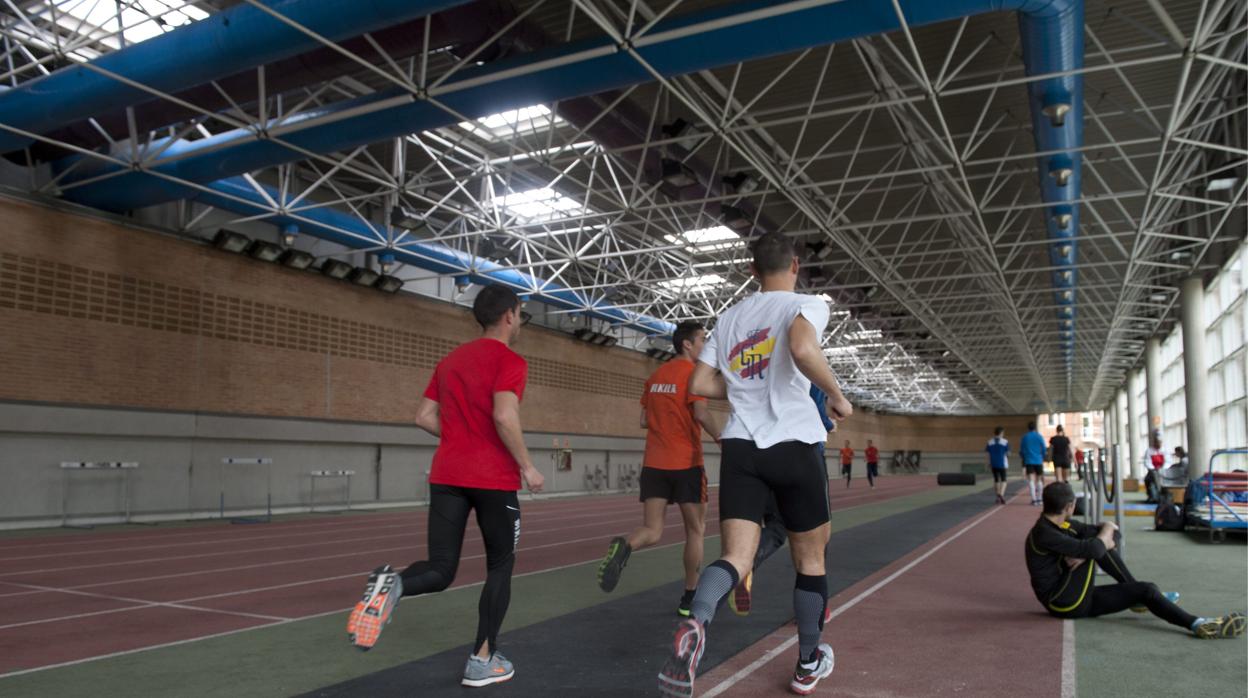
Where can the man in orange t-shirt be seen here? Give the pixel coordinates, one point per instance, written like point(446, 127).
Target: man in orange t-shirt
point(847, 463)
point(672, 471)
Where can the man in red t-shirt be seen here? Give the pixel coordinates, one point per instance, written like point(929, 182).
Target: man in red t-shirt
point(473, 405)
point(873, 462)
point(672, 471)
point(847, 463)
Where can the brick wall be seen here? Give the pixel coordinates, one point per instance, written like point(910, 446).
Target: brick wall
point(97, 313)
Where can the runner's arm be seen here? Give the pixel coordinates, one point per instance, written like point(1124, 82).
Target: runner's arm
point(427, 417)
point(507, 422)
point(702, 414)
point(809, 359)
point(707, 382)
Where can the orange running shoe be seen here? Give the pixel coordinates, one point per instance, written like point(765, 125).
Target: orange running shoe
point(739, 597)
point(373, 612)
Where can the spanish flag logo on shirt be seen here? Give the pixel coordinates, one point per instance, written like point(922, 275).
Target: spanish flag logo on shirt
point(751, 357)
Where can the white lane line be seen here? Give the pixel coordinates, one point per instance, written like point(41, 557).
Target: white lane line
point(784, 646)
point(1069, 667)
point(142, 604)
point(287, 621)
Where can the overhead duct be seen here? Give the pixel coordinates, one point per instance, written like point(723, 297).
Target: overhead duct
point(345, 229)
point(1052, 41)
point(460, 29)
point(222, 44)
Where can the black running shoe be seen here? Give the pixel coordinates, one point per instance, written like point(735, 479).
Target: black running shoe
point(612, 565)
point(686, 600)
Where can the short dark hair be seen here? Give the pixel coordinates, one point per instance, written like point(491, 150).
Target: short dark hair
point(685, 332)
point(1060, 430)
point(1031, 426)
point(773, 252)
point(1058, 496)
point(492, 303)
point(998, 431)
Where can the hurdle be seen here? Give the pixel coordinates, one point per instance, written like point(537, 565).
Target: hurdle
point(322, 474)
point(268, 476)
point(83, 466)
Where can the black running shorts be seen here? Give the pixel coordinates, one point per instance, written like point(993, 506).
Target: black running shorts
point(686, 486)
point(791, 470)
point(998, 474)
point(1033, 469)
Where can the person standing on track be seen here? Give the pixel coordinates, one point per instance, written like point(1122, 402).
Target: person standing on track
point(998, 450)
point(472, 404)
point(763, 356)
point(672, 471)
point(847, 463)
point(1031, 449)
point(1062, 554)
point(1079, 458)
point(1059, 453)
point(873, 462)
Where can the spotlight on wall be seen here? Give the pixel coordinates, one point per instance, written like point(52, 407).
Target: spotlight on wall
point(590, 336)
point(362, 277)
point(1062, 220)
point(387, 263)
point(733, 217)
point(296, 259)
point(388, 284)
point(685, 133)
point(230, 241)
point(290, 233)
point(659, 354)
point(678, 174)
point(1061, 175)
point(1057, 114)
point(264, 251)
point(741, 183)
point(335, 269)
point(408, 220)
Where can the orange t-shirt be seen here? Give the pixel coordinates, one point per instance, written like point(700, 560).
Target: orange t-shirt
point(847, 456)
point(673, 436)
point(873, 454)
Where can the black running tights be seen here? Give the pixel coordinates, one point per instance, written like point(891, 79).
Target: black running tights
point(498, 517)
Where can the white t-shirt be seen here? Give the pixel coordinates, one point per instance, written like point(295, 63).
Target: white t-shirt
point(770, 398)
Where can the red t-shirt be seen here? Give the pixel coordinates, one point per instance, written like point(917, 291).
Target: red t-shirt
point(873, 454)
point(673, 436)
point(470, 453)
point(847, 456)
point(1079, 455)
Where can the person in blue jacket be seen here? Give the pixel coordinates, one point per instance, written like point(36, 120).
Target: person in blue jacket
point(1031, 449)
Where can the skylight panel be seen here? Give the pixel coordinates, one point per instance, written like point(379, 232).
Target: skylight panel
point(503, 125)
point(543, 204)
point(712, 239)
point(141, 19)
point(700, 282)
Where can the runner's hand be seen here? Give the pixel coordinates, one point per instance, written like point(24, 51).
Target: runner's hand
point(1073, 562)
point(533, 479)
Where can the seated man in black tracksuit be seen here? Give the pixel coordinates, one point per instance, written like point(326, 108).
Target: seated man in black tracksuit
point(1062, 555)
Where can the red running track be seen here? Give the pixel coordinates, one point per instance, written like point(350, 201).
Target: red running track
point(961, 620)
point(79, 596)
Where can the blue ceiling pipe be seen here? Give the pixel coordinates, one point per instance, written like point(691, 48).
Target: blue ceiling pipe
point(1052, 40)
point(345, 229)
point(224, 43)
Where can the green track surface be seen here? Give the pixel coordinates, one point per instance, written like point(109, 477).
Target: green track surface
point(1131, 654)
point(301, 656)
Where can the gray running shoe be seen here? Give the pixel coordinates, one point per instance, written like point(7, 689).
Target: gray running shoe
point(480, 672)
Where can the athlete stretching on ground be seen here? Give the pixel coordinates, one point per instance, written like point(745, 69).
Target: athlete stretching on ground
point(1061, 557)
point(473, 405)
point(763, 356)
point(672, 471)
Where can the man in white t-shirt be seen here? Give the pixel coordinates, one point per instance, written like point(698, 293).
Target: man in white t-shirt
point(763, 357)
